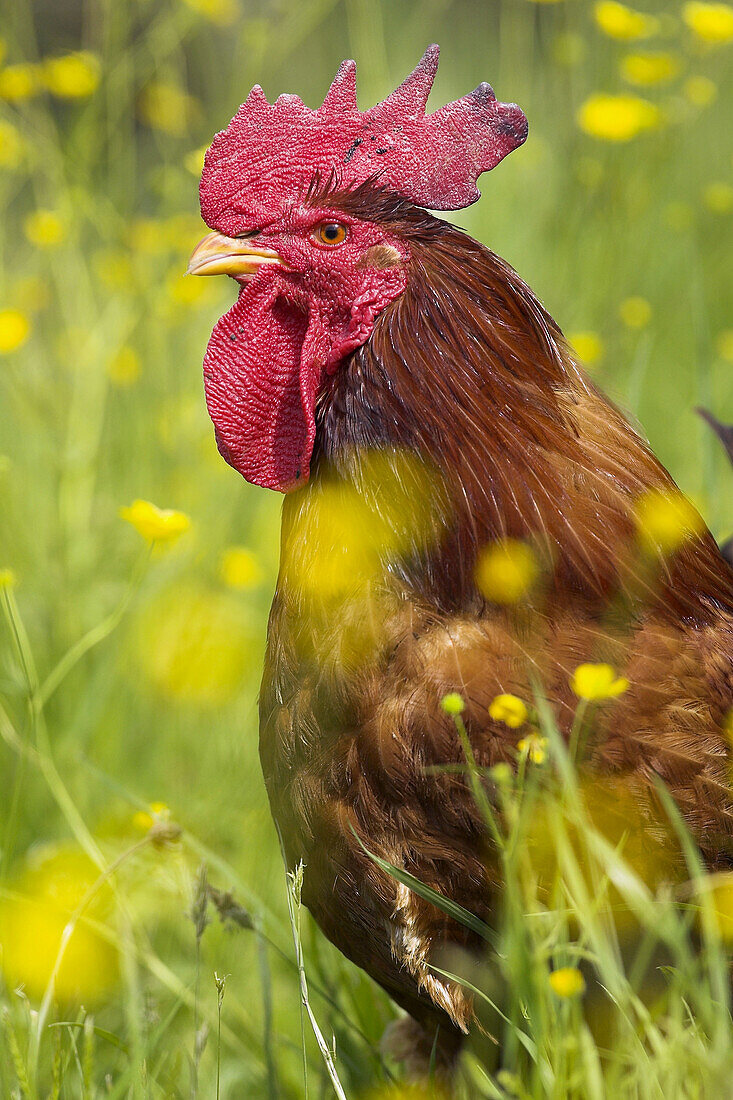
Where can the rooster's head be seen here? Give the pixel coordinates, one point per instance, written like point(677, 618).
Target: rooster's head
point(313, 274)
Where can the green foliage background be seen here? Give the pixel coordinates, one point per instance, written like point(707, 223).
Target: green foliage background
point(163, 708)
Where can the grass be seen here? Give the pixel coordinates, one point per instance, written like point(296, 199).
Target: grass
point(129, 679)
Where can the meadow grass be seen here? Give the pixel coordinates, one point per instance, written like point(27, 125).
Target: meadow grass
point(139, 866)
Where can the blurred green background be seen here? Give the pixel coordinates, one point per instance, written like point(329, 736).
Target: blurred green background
point(617, 211)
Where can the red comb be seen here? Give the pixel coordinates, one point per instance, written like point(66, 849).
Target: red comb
point(433, 160)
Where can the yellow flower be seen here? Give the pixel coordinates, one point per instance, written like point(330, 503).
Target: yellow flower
point(33, 920)
point(240, 568)
point(597, 681)
point(587, 345)
point(567, 982)
point(196, 646)
point(11, 145)
point(168, 108)
point(508, 709)
point(19, 82)
point(44, 228)
point(453, 703)
point(724, 345)
point(718, 197)
point(155, 524)
point(649, 68)
point(14, 329)
point(221, 12)
point(506, 571)
point(712, 23)
point(665, 519)
point(194, 161)
point(148, 235)
point(617, 117)
point(618, 21)
point(535, 747)
point(635, 312)
point(74, 76)
point(700, 91)
point(722, 893)
point(145, 819)
point(124, 367)
point(186, 291)
point(7, 579)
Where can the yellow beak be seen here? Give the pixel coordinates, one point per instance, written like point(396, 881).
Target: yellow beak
point(220, 255)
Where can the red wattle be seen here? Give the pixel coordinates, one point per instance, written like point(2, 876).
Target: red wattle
point(261, 378)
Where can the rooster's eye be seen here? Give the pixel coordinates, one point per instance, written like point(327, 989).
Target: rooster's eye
point(330, 233)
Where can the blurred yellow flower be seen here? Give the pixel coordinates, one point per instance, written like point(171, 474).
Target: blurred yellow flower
point(148, 235)
point(722, 893)
point(14, 329)
point(168, 108)
point(700, 91)
point(665, 519)
point(123, 368)
point(567, 982)
point(649, 68)
point(74, 76)
point(33, 918)
point(184, 290)
point(347, 535)
point(712, 23)
point(239, 568)
point(195, 646)
point(617, 117)
point(626, 24)
point(155, 524)
point(718, 197)
point(7, 578)
point(508, 709)
point(401, 1090)
point(724, 345)
point(45, 228)
point(597, 681)
point(221, 12)
point(11, 145)
point(453, 703)
point(145, 819)
point(506, 571)
point(194, 161)
point(635, 312)
point(587, 345)
point(19, 81)
point(535, 748)
point(182, 231)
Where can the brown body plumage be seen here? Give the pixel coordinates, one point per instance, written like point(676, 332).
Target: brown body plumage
point(468, 373)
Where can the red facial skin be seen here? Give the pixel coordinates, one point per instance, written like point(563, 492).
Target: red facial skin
point(290, 327)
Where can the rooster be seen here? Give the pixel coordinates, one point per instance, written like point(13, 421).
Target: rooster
point(415, 403)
